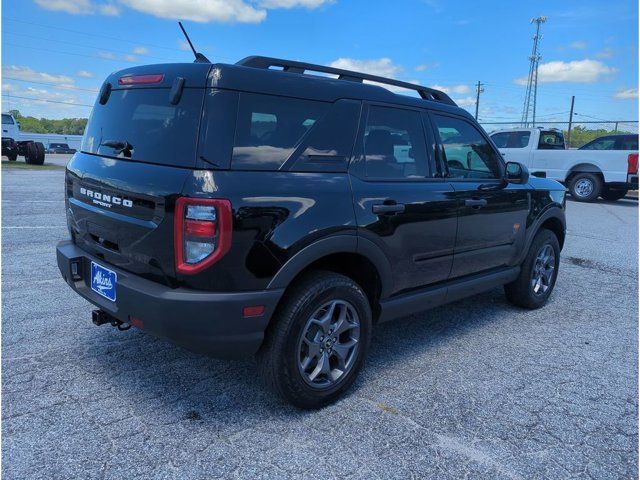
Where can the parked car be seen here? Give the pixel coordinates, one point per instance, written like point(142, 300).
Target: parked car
point(60, 148)
point(261, 208)
point(12, 146)
point(588, 172)
point(613, 142)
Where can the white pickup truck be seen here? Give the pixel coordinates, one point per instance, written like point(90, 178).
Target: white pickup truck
point(587, 173)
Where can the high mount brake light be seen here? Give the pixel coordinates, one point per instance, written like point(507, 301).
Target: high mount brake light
point(141, 79)
point(632, 163)
point(202, 232)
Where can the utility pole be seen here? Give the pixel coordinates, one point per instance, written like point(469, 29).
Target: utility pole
point(532, 79)
point(479, 90)
point(573, 99)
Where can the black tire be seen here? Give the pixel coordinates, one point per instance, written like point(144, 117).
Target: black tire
point(585, 187)
point(279, 358)
point(13, 156)
point(39, 153)
point(614, 194)
point(521, 291)
point(30, 153)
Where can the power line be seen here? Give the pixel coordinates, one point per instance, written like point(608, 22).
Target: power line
point(95, 57)
point(45, 100)
point(57, 85)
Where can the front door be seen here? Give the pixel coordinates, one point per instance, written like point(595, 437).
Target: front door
point(491, 214)
point(400, 204)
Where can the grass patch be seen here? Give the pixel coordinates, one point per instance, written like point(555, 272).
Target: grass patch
point(7, 165)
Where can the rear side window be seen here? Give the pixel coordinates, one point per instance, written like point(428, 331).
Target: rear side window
point(628, 142)
point(155, 130)
point(394, 144)
point(604, 143)
point(551, 140)
point(511, 139)
point(467, 153)
point(268, 129)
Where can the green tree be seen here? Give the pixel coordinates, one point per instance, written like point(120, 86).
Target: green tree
point(64, 126)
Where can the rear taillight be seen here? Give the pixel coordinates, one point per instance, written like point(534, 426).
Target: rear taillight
point(202, 233)
point(632, 162)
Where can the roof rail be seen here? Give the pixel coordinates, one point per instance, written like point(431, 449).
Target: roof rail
point(292, 66)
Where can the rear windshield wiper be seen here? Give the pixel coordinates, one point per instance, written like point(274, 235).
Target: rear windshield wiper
point(123, 147)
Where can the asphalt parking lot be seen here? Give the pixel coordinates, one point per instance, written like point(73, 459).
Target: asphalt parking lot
point(476, 389)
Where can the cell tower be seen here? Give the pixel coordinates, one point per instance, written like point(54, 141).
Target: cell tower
point(532, 80)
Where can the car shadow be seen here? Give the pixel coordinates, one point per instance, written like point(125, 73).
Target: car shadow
point(155, 375)
point(623, 202)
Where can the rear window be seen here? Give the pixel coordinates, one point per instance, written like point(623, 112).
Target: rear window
point(156, 131)
point(6, 119)
point(268, 129)
point(551, 140)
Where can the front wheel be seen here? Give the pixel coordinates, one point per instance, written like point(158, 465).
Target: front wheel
point(318, 340)
point(585, 187)
point(538, 272)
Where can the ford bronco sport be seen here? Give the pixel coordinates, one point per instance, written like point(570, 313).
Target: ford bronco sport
point(284, 209)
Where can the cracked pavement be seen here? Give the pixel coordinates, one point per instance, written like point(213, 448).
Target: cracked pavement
point(476, 389)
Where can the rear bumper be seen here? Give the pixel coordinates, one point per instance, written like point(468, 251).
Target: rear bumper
point(209, 323)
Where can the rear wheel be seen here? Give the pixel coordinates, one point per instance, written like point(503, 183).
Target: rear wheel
point(318, 340)
point(13, 156)
point(538, 272)
point(585, 187)
point(30, 153)
point(39, 160)
point(614, 194)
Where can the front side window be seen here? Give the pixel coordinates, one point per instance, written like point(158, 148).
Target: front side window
point(394, 144)
point(6, 119)
point(467, 153)
point(269, 128)
point(511, 139)
point(605, 143)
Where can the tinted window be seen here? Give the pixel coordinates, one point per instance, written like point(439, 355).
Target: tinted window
point(511, 139)
point(328, 145)
point(467, 153)
point(6, 119)
point(158, 131)
point(628, 142)
point(604, 143)
point(394, 144)
point(551, 140)
point(268, 129)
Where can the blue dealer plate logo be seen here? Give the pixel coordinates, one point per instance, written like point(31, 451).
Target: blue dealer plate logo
point(103, 281)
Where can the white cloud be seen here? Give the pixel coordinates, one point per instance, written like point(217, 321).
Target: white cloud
point(107, 55)
point(578, 45)
point(382, 67)
point(30, 75)
point(75, 7)
point(628, 94)
point(131, 58)
point(421, 68)
point(294, 3)
point(141, 50)
point(577, 71)
point(606, 53)
point(109, 9)
point(200, 10)
point(184, 45)
point(79, 7)
point(84, 74)
point(465, 102)
point(453, 88)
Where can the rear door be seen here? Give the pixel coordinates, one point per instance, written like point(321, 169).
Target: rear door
point(401, 203)
point(491, 217)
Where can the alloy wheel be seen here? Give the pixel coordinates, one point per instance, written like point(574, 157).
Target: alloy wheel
point(543, 270)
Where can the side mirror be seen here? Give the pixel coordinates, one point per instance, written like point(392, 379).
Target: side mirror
point(516, 173)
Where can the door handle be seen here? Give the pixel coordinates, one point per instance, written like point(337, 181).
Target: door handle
point(475, 202)
point(391, 209)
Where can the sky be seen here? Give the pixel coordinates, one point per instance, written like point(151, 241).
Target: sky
point(61, 50)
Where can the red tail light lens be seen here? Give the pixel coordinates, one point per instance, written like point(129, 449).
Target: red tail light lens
point(141, 79)
point(202, 233)
point(632, 161)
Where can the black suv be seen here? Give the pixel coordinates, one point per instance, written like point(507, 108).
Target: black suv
point(283, 209)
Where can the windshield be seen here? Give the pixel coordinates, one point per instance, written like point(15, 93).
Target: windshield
point(142, 124)
point(6, 119)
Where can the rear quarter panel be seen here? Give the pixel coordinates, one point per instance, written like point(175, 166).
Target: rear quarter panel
point(275, 215)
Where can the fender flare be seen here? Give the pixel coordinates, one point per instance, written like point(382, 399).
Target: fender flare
point(332, 245)
point(550, 212)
